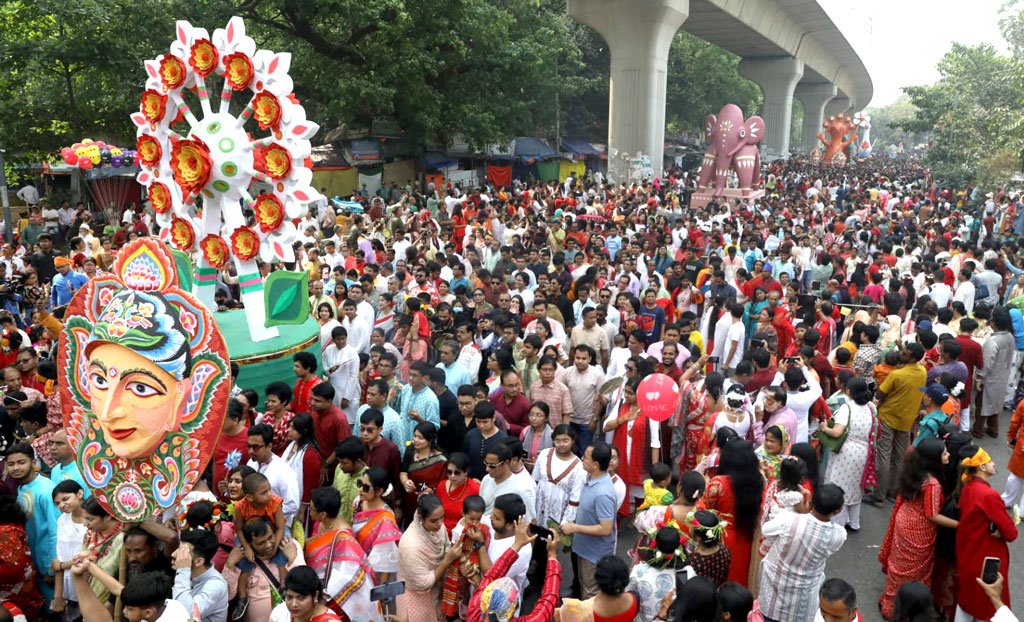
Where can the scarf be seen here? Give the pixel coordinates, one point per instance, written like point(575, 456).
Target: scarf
point(421, 552)
point(637, 462)
point(454, 587)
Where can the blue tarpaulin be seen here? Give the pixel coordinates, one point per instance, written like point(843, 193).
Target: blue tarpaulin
point(579, 148)
point(438, 161)
point(527, 149)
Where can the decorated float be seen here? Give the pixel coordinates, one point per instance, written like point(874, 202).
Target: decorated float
point(838, 133)
point(732, 152)
point(204, 157)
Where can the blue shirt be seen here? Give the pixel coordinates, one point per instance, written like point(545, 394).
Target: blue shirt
point(60, 473)
point(455, 376)
point(36, 500)
point(597, 504)
point(425, 402)
point(64, 287)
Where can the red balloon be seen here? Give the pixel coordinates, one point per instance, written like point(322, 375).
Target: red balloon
point(69, 157)
point(658, 396)
point(84, 163)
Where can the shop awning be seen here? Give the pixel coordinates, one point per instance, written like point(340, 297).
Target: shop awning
point(579, 148)
point(437, 161)
point(526, 149)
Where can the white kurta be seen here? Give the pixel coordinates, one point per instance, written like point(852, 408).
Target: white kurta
point(345, 378)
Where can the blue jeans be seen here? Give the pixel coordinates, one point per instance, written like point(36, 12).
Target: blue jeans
point(583, 436)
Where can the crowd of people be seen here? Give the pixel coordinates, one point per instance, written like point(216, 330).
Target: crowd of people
point(473, 420)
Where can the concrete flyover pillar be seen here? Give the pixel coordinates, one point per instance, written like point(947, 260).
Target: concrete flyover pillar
point(639, 34)
point(837, 105)
point(813, 96)
point(777, 78)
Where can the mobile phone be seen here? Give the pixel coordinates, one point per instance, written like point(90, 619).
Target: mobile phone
point(757, 343)
point(713, 360)
point(387, 591)
point(791, 360)
point(990, 570)
point(815, 285)
point(541, 532)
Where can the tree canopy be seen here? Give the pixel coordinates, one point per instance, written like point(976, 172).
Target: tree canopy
point(973, 114)
point(483, 69)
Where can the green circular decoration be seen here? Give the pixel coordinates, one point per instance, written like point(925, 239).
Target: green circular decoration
point(229, 169)
point(214, 127)
point(226, 145)
point(221, 186)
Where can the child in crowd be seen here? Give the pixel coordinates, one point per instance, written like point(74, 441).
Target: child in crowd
point(71, 530)
point(454, 590)
point(214, 518)
point(890, 361)
point(656, 489)
point(935, 396)
point(705, 552)
point(953, 405)
point(258, 502)
point(786, 493)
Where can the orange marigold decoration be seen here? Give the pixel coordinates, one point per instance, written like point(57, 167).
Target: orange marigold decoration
point(245, 243)
point(269, 212)
point(278, 161)
point(266, 110)
point(154, 105)
point(172, 72)
point(238, 70)
point(159, 197)
point(183, 236)
point(149, 150)
point(203, 57)
point(191, 163)
point(215, 250)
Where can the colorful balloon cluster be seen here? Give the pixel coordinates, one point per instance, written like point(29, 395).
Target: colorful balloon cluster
point(89, 153)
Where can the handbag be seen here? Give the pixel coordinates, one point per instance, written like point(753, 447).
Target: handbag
point(833, 443)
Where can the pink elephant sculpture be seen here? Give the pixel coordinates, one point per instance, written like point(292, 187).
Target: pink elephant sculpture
point(732, 147)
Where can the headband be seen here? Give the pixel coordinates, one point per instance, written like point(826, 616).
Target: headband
point(975, 461)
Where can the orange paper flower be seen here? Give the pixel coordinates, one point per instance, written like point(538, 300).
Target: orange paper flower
point(159, 197)
point(190, 161)
point(245, 243)
point(149, 150)
point(172, 72)
point(266, 110)
point(203, 57)
point(238, 70)
point(278, 161)
point(154, 104)
point(182, 235)
point(215, 250)
point(269, 212)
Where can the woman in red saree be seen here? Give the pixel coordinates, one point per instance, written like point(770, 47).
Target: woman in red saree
point(702, 398)
point(908, 550)
point(638, 440)
point(982, 512)
point(735, 493)
point(423, 467)
point(17, 575)
point(784, 328)
point(375, 525)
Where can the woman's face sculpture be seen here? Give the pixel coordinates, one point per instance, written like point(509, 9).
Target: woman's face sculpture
point(135, 401)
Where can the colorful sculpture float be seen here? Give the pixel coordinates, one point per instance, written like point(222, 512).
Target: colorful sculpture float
point(863, 123)
point(144, 382)
point(732, 150)
point(841, 132)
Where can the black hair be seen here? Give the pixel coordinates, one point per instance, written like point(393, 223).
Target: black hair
point(914, 603)
point(326, 499)
point(324, 390)
point(146, 589)
point(705, 521)
point(691, 486)
point(611, 575)
point(828, 499)
point(696, 600)
point(256, 527)
point(21, 448)
point(924, 460)
point(459, 460)
point(427, 504)
point(203, 542)
point(859, 391)
point(511, 506)
point(474, 503)
point(660, 472)
point(792, 472)
point(378, 477)
point(66, 487)
point(252, 482)
point(601, 453)
point(303, 424)
point(735, 600)
point(350, 448)
point(739, 463)
point(836, 589)
point(235, 410)
point(10, 512)
point(372, 415)
point(93, 507)
point(264, 431)
point(304, 581)
point(809, 456)
point(307, 360)
point(280, 390)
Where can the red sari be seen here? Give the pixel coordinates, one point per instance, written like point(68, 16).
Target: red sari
point(980, 506)
point(695, 415)
point(17, 574)
point(719, 497)
point(911, 529)
point(633, 447)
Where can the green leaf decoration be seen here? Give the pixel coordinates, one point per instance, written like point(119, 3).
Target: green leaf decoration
point(284, 296)
point(186, 273)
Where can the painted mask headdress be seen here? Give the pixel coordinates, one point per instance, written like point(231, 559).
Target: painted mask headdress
point(144, 383)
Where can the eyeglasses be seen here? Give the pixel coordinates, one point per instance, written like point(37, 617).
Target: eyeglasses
point(369, 429)
point(252, 447)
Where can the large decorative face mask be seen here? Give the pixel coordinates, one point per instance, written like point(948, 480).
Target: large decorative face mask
point(144, 381)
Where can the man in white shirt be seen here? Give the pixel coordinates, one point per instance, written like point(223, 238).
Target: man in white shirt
point(500, 480)
point(965, 290)
point(29, 195)
point(341, 362)
point(358, 329)
point(363, 308)
point(734, 340)
point(507, 509)
point(469, 354)
point(939, 292)
point(281, 476)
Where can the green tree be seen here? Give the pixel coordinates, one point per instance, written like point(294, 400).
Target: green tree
point(886, 123)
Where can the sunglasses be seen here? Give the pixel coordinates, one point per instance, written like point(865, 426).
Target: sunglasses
point(455, 472)
point(494, 465)
point(365, 487)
